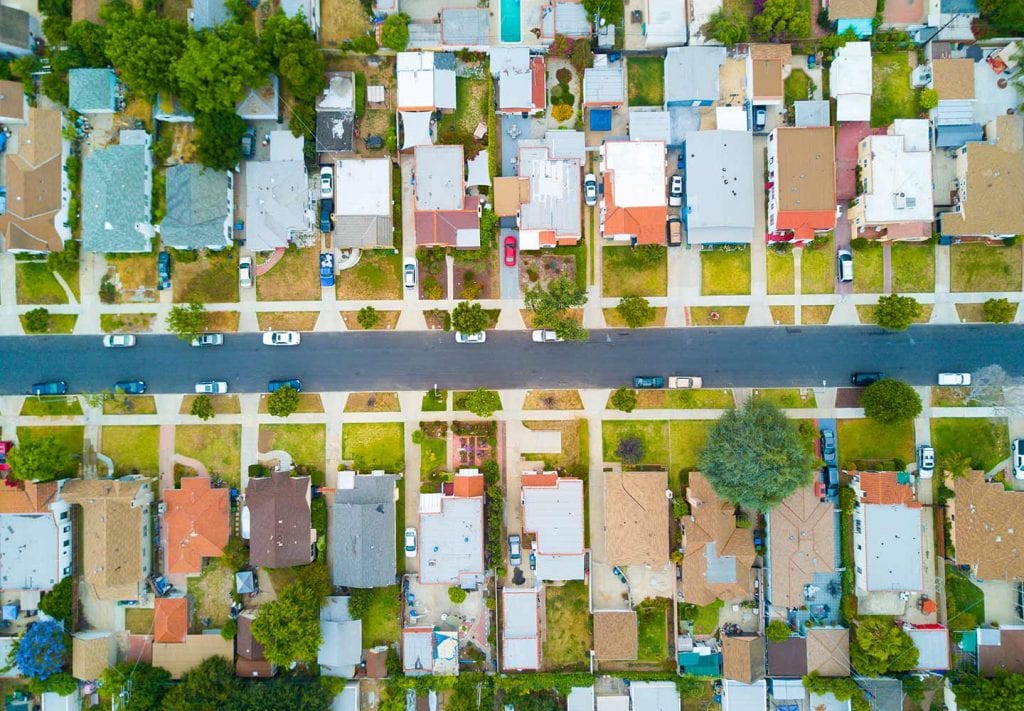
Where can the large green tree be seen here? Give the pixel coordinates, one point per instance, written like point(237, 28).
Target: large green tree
point(1004, 17)
point(890, 401)
point(469, 317)
point(783, 19)
point(280, 32)
point(897, 312)
point(211, 685)
point(727, 26)
point(302, 68)
point(283, 401)
point(218, 142)
point(289, 627)
point(879, 647)
point(395, 32)
point(550, 305)
point(483, 402)
point(217, 68)
point(623, 399)
point(40, 459)
point(1002, 692)
point(143, 47)
point(148, 685)
point(755, 456)
point(188, 320)
point(636, 311)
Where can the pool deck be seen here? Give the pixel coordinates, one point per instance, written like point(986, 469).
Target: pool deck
point(529, 18)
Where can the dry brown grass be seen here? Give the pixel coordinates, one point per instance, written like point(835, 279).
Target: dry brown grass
point(222, 404)
point(614, 320)
point(575, 442)
point(341, 20)
point(783, 315)
point(866, 312)
point(211, 596)
point(373, 402)
point(130, 405)
point(287, 320)
point(126, 323)
point(295, 278)
point(387, 321)
point(527, 314)
point(182, 150)
point(308, 402)
point(222, 321)
point(815, 315)
point(208, 280)
point(971, 313)
point(553, 400)
point(138, 272)
point(138, 108)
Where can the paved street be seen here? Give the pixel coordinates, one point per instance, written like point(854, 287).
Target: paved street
point(353, 361)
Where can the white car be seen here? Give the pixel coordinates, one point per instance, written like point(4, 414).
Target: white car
point(326, 182)
point(208, 339)
point(281, 338)
point(470, 337)
point(590, 189)
point(1017, 449)
point(119, 340)
point(211, 387)
point(675, 191)
point(410, 543)
point(545, 335)
point(409, 273)
point(955, 379)
point(925, 461)
point(245, 272)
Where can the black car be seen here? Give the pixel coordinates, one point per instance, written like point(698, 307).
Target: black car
point(51, 387)
point(163, 271)
point(862, 380)
point(326, 215)
point(828, 445)
point(293, 383)
point(830, 477)
point(374, 142)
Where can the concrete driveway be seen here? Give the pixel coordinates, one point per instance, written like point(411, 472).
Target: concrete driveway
point(508, 276)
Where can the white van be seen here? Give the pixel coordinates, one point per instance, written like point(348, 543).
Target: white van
point(955, 379)
point(844, 265)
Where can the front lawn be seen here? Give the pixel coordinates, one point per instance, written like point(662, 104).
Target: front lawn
point(868, 275)
point(654, 435)
point(296, 277)
point(978, 267)
point(818, 268)
point(718, 315)
point(687, 438)
point(796, 86)
point(786, 398)
point(725, 272)
point(913, 267)
point(378, 275)
point(287, 320)
point(135, 450)
point(72, 437)
point(652, 631)
point(435, 404)
point(983, 442)
point(965, 601)
point(381, 613)
point(433, 455)
point(374, 445)
point(892, 97)
point(306, 444)
point(646, 81)
point(569, 626)
point(58, 323)
point(780, 271)
point(35, 284)
point(870, 445)
point(51, 406)
point(625, 272)
point(218, 447)
point(575, 436)
point(210, 279)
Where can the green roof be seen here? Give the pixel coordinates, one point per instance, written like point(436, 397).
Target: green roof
point(116, 198)
point(92, 90)
point(197, 208)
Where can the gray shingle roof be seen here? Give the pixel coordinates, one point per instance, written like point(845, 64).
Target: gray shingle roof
point(92, 90)
point(465, 27)
point(197, 208)
point(363, 533)
point(14, 27)
point(116, 198)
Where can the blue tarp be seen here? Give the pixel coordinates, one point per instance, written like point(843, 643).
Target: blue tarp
point(861, 26)
point(947, 136)
point(600, 119)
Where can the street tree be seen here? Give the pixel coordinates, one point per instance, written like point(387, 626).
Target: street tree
point(890, 401)
point(897, 312)
point(755, 456)
point(782, 19)
point(624, 399)
point(880, 647)
point(569, 329)
point(395, 32)
point(636, 311)
point(999, 311)
point(187, 320)
point(630, 450)
point(469, 317)
point(37, 320)
point(289, 627)
point(148, 685)
point(40, 459)
point(728, 27)
point(41, 651)
point(283, 401)
point(202, 407)
point(367, 317)
point(218, 139)
point(483, 402)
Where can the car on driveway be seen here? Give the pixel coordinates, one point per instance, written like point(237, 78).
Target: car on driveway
point(545, 335)
point(515, 551)
point(281, 338)
point(208, 339)
point(760, 118)
point(130, 387)
point(410, 543)
point(294, 383)
point(830, 478)
point(409, 273)
point(590, 189)
point(245, 272)
point(862, 380)
point(844, 265)
point(326, 215)
point(326, 181)
point(675, 191)
point(674, 231)
point(648, 382)
point(119, 340)
point(510, 251)
point(1017, 450)
point(828, 445)
point(326, 269)
point(461, 337)
point(925, 461)
point(163, 271)
point(50, 387)
point(211, 387)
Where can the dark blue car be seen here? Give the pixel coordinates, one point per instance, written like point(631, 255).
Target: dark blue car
point(51, 387)
point(293, 383)
point(648, 382)
point(163, 271)
point(130, 387)
point(326, 269)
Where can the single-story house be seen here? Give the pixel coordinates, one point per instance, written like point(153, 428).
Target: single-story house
point(635, 510)
point(634, 202)
point(280, 529)
point(521, 80)
point(444, 214)
point(766, 63)
point(691, 76)
point(801, 183)
point(743, 658)
point(850, 77)
point(117, 196)
point(1000, 649)
point(277, 198)
point(604, 85)
point(465, 28)
point(196, 524)
point(719, 206)
point(953, 81)
point(342, 646)
point(362, 531)
point(546, 195)
point(260, 103)
point(170, 619)
point(451, 545)
point(18, 31)
point(787, 659)
point(828, 651)
point(34, 178)
point(888, 526)
point(92, 653)
point(364, 218)
point(179, 658)
point(801, 543)
point(92, 91)
point(664, 23)
point(553, 514)
point(932, 642)
point(987, 528)
point(13, 103)
point(336, 113)
point(200, 207)
point(615, 635)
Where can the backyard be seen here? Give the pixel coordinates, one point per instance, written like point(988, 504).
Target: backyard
point(983, 442)
point(380, 610)
point(568, 623)
point(965, 602)
point(871, 445)
point(639, 271)
point(457, 128)
point(979, 267)
point(724, 272)
point(892, 96)
point(704, 618)
point(306, 444)
point(818, 267)
point(218, 447)
point(376, 276)
point(652, 630)
point(797, 86)
point(135, 450)
point(374, 445)
point(646, 81)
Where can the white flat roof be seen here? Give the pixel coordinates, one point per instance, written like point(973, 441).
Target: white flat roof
point(555, 515)
point(893, 548)
point(363, 187)
point(638, 172)
point(853, 107)
point(29, 545)
point(511, 67)
point(521, 628)
point(666, 23)
point(850, 81)
point(581, 698)
point(737, 696)
point(719, 187)
point(654, 695)
point(451, 542)
point(440, 176)
point(901, 182)
point(932, 648)
point(415, 80)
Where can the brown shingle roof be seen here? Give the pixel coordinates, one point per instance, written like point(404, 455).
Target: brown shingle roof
point(743, 658)
point(787, 659)
point(953, 79)
point(801, 539)
point(615, 636)
point(18, 497)
point(884, 488)
point(510, 192)
point(636, 518)
point(12, 100)
point(34, 184)
point(91, 654)
point(245, 643)
point(988, 528)
point(806, 169)
point(196, 522)
point(828, 651)
point(1008, 655)
point(783, 52)
point(850, 9)
point(280, 524)
point(170, 619)
point(183, 657)
point(767, 78)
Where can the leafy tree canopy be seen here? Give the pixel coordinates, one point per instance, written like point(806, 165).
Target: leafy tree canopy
point(211, 685)
point(149, 684)
point(143, 47)
point(40, 459)
point(280, 32)
point(57, 601)
point(395, 32)
point(777, 631)
point(187, 321)
point(202, 407)
point(218, 67)
point(889, 401)
point(289, 627)
point(783, 19)
point(218, 140)
point(302, 68)
point(483, 402)
point(1005, 17)
point(880, 647)
point(41, 651)
point(999, 311)
point(283, 401)
point(727, 26)
point(469, 317)
point(975, 693)
point(624, 399)
point(636, 311)
point(897, 312)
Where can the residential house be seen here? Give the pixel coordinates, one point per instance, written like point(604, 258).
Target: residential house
point(738, 696)
point(787, 659)
point(983, 206)
point(34, 177)
point(13, 104)
point(828, 651)
point(170, 619)
point(117, 196)
point(635, 511)
point(580, 698)
point(718, 555)
point(444, 214)
point(698, 657)
point(564, 18)
point(856, 15)
point(932, 642)
point(430, 650)
point(363, 220)
point(200, 207)
point(342, 646)
point(801, 183)
point(850, 81)
point(19, 31)
point(35, 538)
point(520, 628)
point(196, 524)
point(654, 695)
point(987, 528)
point(92, 91)
point(310, 9)
point(1000, 649)
point(521, 80)
point(691, 76)
point(115, 534)
point(743, 658)
point(336, 114)
point(553, 515)
point(719, 174)
point(894, 197)
point(664, 23)
point(615, 636)
point(280, 530)
point(791, 694)
point(207, 14)
point(277, 199)
point(887, 534)
point(251, 661)
point(179, 658)
point(604, 86)
point(801, 544)
point(766, 65)
point(92, 653)
point(260, 103)
point(466, 28)
point(362, 531)
point(451, 545)
point(953, 81)
point(426, 83)
point(634, 205)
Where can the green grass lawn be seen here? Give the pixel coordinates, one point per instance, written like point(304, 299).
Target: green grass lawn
point(646, 81)
point(568, 625)
point(796, 86)
point(58, 323)
point(978, 267)
point(72, 437)
point(381, 614)
point(913, 267)
point(435, 404)
point(306, 444)
point(868, 276)
point(786, 397)
point(35, 284)
point(984, 442)
point(624, 274)
point(780, 272)
point(433, 454)
point(471, 100)
point(218, 447)
point(704, 619)
point(374, 445)
point(965, 602)
point(868, 441)
point(655, 436)
point(699, 399)
point(652, 633)
point(724, 272)
point(891, 95)
point(818, 269)
point(377, 276)
point(133, 449)
point(59, 406)
point(459, 400)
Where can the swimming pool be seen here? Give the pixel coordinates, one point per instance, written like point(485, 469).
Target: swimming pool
point(511, 22)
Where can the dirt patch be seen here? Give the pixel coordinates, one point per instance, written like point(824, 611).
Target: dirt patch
point(287, 320)
point(296, 277)
point(126, 323)
point(182, 149)
point(848, 397)
point(211, 598)
point(437, 319)
point(553, 400)
point(527, 314)
point(341, 20)
point(372, 402)
point(432, 274)
point(135, 277)
point(541, 269)
point(222, 321)
point(474, 280)
point(222, 404)
point(387, 320)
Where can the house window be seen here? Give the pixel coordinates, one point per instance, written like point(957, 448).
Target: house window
point(859, 547)
point(67, 529)
point(859, 571)
point(963, 151)
point(67, 542)
point(67, 571)
point(856, 525)
point(63, 515)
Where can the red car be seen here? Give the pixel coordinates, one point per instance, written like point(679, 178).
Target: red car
point(510, 251)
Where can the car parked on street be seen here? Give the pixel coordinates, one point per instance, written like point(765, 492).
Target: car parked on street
point(119, 340)
point(1017, 450)
point(955, 379)
point(409, 273)
point(208, 339)
point(461, 337)
point(326, 269)
point(50, 387)
point(410, 543)
point(294, 383)
point(675, 191)
point(862, 380)
point(510, 251)
point(827, 440)
point(130, 387)
point(515, 551)
point(590, 189)
point(163, 271)
point(648, 382)
point(925, 461)
point(326, 181)
point(211, 387)
point(281, 338)
point(546, 335)
point(245, 272)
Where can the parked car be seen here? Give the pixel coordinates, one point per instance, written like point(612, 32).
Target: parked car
point(461, 337)
point(374, 142)
point(409, 273)
point(685, 382)
point(590, 189)
point(245, 272)
point(515, 551)
point(326, 269)
point(281, 338)
point(119, 340)
point(955, 379)
point(211, 387)
point(510, 251)
point(249, 142)
point(674, 231)
point(862, 380)
point(648, 382)
point(50, 387)
point(680, 160)
point(163, 271)
point(828, 445)
point(326, 215)
point(208, 339)
point(410, 543)
point(130, 387)
point(925, 461)
point(760, 118)
point(1017, 450)
point(830, 478)
point(675, 191)
point(545, 335)
point(844, 265)
point(326, 181)
point(294, 383)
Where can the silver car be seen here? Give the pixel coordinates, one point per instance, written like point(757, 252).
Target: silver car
point(409, 273)
point(211, 387)
point(208, 339)
point(545, 335)
point(245, 272)
point(119, 340)
point(470, 337)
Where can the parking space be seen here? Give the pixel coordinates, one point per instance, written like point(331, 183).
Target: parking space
point(509, 276)
point(607, 590)
point(1000, 602)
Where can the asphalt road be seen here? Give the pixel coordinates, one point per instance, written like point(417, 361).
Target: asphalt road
point(361, 361)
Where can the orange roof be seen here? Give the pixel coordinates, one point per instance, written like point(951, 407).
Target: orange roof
point(26, 496)
point(804, 223)
point(647, 223)
point(539, 480)
point(469, 485)
point(884, 488)
point(537, 84)
point(197, 524)
point(170, 619)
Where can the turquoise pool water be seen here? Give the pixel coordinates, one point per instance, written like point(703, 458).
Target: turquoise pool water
point(511, 22)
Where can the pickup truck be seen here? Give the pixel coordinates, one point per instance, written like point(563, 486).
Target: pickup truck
point(679, 381)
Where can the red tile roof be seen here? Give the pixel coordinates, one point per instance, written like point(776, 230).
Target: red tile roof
point(197, 524)
point(538, 85)
point(884, 488)
point(170, 620)
point(469, 486)
point(540, 480)
point(18, 497)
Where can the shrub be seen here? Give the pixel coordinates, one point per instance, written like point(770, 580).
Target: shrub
point(457, 595)
point(630, 450)
point(777, 631)
point(561, 112)
point(563, 75)
point(624, 399)
point(37, 320)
